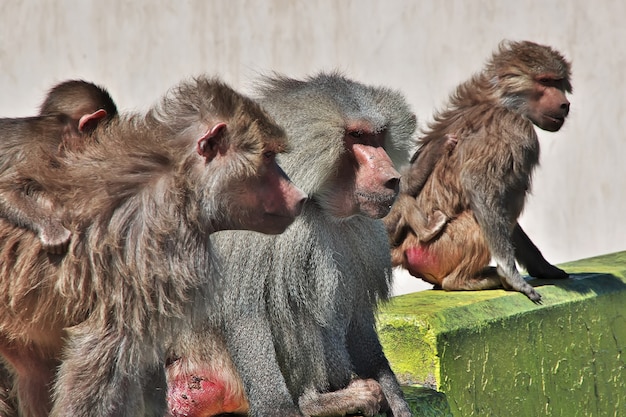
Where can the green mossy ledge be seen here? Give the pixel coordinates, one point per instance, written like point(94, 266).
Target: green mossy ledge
point(495, 353)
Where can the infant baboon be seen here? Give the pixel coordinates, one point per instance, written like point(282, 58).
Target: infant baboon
point(404, 216)
point(70, 111)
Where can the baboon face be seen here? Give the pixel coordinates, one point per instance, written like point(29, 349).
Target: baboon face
point(272, 202)
point(547, 105)
point(367, 180)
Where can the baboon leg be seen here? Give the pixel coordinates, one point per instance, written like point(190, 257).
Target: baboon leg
point(32, 377)
point(485, 279)
point(529, 256)
point(435, 225)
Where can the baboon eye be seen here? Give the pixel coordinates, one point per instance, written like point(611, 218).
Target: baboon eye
point(269, 154)
point(356, 133)
point(549, 82)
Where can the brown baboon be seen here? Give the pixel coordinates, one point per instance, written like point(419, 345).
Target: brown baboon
point(297, 310)
point(141, 200)
point(70, 111)
point(481, 186)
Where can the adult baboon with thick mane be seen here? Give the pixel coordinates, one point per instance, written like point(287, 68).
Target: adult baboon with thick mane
point(296, 334)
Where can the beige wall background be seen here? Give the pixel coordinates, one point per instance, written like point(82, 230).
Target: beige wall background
point(139, 48)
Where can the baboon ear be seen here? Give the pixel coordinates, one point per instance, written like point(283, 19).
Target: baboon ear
point(208, 144)
point(88, 122)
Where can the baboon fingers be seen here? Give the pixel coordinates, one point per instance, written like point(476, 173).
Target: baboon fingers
point(362, 397)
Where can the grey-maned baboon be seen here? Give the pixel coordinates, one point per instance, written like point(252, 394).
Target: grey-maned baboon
point(141, 200)
point(296, 334)
point(481, 186)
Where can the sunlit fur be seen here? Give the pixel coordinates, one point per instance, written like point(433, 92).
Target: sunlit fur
point(317, 108)
point(481, 185)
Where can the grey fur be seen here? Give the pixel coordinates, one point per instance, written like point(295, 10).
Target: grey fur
point(298, 308)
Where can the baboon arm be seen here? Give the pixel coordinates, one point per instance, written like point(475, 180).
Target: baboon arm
point(21, 210)
point(423, 163)
point(101, 368)
point(421, 168)
point(490, 213)
point(369, 361)
point(529, 256)
point(251, 346)
point(396, 221)
point(495, 223)
point(34, 214)
point(405, 217)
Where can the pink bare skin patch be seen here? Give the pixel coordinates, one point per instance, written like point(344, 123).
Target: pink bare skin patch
point(196, 396)
point(422, 262)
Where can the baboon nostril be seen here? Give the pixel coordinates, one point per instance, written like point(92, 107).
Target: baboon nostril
point(393, 183)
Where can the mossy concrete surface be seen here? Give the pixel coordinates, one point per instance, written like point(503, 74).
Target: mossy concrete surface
point(426, 402)
point(495, 353)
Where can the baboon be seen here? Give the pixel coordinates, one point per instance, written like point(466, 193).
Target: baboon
point(84, 103)
point(141, 199)
point(70, 111)
point(297, 310)
point(481, 186)
point(405, 216)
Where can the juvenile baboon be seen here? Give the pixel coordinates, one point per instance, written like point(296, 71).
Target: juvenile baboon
point(70, 111)
point(297, 310)
point(405, 216)
point(481, 186)
point(141, 200)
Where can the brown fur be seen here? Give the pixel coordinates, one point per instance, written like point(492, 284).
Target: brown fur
point(141, 201)
point(84, 104)
point(481, 185)
point(8, 402)
point(70, 110)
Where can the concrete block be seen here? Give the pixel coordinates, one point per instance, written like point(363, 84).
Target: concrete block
point(495, 353)
point(426, 402)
